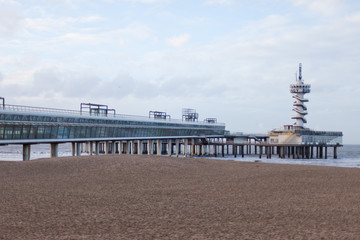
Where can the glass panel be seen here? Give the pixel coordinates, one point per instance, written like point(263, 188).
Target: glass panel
point(8, 132)
point(54, 132)
point(47, 132)
point(72, 132)
point(66, 132)
point(2, 130)
point(60, 132)
point(83, 132)
point(33, 130)
point(9, 117)
point(93, 132)
point(25, 132)
point(40, 132)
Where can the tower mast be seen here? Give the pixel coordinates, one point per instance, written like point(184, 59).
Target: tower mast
point(299, 90)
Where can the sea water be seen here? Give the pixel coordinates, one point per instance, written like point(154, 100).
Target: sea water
point(348, 155)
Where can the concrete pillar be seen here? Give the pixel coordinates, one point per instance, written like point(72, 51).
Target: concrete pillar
point(269, 152)
point(150, 147)
point(54, 150)
point(169, 147)
point(260, 151)
point(177, 147)
point(121, 147)
point(113, 147)
point(321, 152)
point(335, 152)
point(97, 148)
point(126, 147)
point(289, 151)
point(91, 148)
point(185, 147)
point(139, 147)
point(107, 147)
point(192, 152)
point(158, 147)
point(26, 152)
point(132, 147)
point(78, 149)
point(326, 152)
point(73, 148)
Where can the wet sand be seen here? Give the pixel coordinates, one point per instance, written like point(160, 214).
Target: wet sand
point(150, 197)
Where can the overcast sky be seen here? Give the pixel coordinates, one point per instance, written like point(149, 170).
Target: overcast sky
point(229, 59)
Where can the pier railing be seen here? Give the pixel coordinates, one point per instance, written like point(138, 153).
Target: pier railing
point(21, 108)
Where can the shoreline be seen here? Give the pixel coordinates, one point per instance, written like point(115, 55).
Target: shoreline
point(147, 197)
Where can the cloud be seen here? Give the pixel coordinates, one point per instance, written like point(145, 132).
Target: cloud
point(178, 41)
point(324, 7)
point(67, 83)
point(1, 77)
point(141, 1)
point(10, 22)
point(220, 2)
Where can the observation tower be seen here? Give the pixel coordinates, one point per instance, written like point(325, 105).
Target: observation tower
point(297, 134)
point(299, 90)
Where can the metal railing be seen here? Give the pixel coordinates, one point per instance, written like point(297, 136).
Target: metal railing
point(20, 108)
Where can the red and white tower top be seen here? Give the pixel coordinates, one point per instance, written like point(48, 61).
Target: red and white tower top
point(299, 90)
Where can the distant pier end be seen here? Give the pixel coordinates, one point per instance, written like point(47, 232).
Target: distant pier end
point(297, 133)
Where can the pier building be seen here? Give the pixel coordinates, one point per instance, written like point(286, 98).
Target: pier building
point(297, 133)
point(96, 124)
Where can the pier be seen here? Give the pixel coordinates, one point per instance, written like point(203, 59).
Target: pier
point(194, 147)
point(97, 129)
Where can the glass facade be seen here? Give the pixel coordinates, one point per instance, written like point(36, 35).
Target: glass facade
point(14, 126)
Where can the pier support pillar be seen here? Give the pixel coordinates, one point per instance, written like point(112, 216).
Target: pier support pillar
point(78, 149)
point(158, 147)
point(192, 153)
point(132, 147)
point(73, 148)
point(169, 147)
point(150, 147)
point(54, 150)
point(139, 147)
point(177, 147)
point(26, 152)
point(113, 147)
point(91, 148)
point(326, 152)
point(185, 147)
point(335, 152)
point(97, 148)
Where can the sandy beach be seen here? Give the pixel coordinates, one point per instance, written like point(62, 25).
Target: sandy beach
point(151, 197)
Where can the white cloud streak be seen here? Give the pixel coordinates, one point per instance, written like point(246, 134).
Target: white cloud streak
point(178, 41)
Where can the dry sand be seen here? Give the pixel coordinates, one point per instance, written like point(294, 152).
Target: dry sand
point(150, 197)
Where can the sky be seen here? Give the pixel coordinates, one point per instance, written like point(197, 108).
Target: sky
point(233, 60)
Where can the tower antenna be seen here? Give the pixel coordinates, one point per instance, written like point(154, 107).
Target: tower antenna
point(300, 73)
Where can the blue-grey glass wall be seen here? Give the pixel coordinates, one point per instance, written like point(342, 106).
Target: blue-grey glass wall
point(25, 125)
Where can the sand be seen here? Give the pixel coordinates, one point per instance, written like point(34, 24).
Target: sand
point(151, 197)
